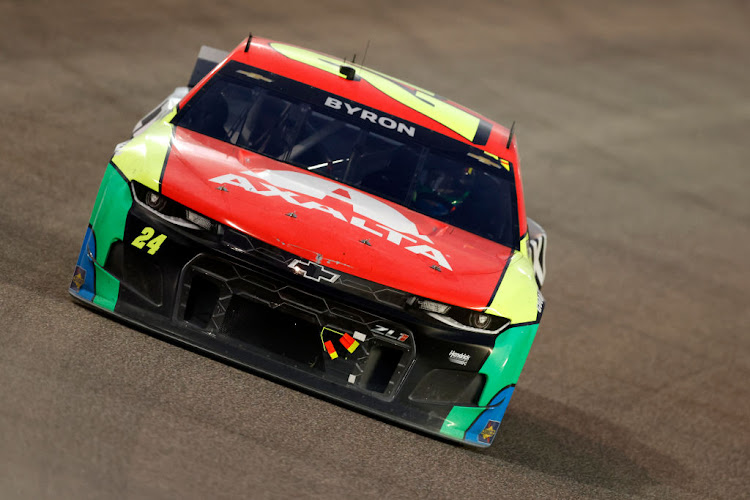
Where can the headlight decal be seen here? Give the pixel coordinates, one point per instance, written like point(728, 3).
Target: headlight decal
point(169, 210)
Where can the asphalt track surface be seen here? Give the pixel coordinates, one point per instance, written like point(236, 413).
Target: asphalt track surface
point(634, 127)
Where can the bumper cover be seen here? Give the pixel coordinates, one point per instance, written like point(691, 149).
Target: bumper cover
point(260, 307)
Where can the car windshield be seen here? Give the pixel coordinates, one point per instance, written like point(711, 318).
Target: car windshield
point(358, 146)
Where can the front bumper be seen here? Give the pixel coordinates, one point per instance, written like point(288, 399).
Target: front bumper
point(246, 302)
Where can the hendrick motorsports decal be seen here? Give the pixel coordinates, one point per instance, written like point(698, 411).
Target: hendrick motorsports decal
point(385, 221)
point(459, 358)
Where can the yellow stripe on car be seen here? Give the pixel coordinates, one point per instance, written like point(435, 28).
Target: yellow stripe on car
point(144, 157)
point(516, 297)
point(420, 100)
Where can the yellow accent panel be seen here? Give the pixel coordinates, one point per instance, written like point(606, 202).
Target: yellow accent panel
point(142, 159)
point(525, 245)
point(420, 100)
point(516, 298)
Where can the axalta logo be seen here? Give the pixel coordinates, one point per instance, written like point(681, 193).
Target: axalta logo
point(459, 358)
point(369, 116)
point(384, 221)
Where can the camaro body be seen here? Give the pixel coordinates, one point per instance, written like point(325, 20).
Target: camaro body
point(327, 225)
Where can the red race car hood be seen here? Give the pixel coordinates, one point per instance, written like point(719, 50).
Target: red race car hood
point(340, 227)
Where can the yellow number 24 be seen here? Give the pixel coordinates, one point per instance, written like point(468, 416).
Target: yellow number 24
point(146, 235)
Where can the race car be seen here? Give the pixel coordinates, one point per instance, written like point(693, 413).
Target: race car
point(329, 226)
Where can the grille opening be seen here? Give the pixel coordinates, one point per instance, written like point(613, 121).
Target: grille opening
point(380, 367)
point(303, 298)
point(113, 264)
point(275, 331)
point(201, 302)
point(449, 386)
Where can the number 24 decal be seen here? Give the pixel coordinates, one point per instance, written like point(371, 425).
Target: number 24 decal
point(146, 235)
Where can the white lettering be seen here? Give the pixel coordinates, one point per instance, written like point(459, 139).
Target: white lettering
point(394, 236)
point(234, 180)
point(362, 204)
point(342, 195)
point(382, 215)
point(314, 205)
point(350, 110)
point(387, 122)
point(274, 191)
point(431, 253)
point(356, 221)
point(369, 116)
point(459, 358)
point(409, 129)
point(333, 103)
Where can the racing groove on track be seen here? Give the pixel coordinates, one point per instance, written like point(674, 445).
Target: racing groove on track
point(633, 123)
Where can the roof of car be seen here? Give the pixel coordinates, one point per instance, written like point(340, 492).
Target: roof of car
point(376, 90)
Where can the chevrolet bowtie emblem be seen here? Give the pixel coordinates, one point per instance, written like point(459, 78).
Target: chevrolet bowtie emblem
point(312, 271)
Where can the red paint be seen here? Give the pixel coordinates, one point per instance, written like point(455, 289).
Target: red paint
point(348, 342)
point(476, 263)
point(262, 55)
point(331, 350)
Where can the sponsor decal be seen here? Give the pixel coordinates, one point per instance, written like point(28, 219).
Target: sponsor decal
point(348, 342)
point(330, 349)
point(79, 278)
point(461, 121)
point(343, 338)
point(390, 333)
point(488, 433)
point(147, 239)
point(360, 336)
point(458, 358)
point(482, 159)
point(254, 76)
point(364, 114)
point(384, 220)
point(313, 271)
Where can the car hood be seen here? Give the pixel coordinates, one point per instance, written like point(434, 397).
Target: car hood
point(336, 225)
